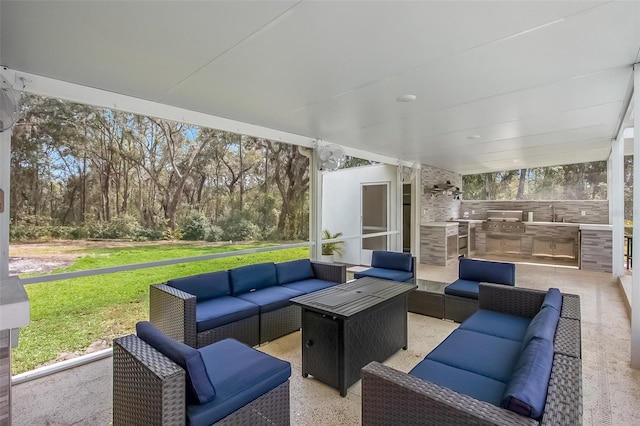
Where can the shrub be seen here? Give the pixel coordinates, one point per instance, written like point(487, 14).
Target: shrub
point(238, 228)
point(194, 227)
point(214, 233)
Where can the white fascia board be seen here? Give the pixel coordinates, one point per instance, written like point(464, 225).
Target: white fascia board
point(45, 86)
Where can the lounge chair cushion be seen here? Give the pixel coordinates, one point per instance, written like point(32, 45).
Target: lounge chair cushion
point(543, 325)
point(252, 277)
point(204, 286)
point(295, 270)
point(199, 388)
point(392, 260)
point(221, 311)
point(240, 374)
point(270, 299)
point(497, 324)
point(553, 299)
point(526, 391)
point(385, 274)
point(462, 381)
point(309, 286)
point(479, 353)
point(463, 288)
point(487, 271)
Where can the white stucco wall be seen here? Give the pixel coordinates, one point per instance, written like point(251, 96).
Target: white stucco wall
point(341, 205)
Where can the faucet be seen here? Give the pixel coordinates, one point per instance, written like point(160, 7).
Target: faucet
point(553, 213)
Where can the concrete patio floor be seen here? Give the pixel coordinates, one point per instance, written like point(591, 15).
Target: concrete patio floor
point(611, 389)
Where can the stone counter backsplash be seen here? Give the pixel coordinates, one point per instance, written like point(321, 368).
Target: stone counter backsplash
point(596, 211)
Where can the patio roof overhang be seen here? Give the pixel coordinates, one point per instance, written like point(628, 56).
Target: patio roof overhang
point(499, 85)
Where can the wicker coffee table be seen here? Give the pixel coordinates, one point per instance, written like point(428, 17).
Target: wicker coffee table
point(347, 326)
point(428, 299)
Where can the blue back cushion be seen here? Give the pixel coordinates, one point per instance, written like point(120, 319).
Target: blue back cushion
point(204, 286)
point(543, 325)
point(487, 271)
point(253, 277)
point(553, 299)
point(199, 388)
point(392, 260)
point(526, 391)
point(295, 270)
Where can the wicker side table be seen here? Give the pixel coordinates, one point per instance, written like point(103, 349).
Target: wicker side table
point(428, 298)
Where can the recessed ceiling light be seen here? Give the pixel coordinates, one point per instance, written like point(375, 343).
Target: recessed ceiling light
point(473, 137)
point(406, 98)
point(515, 161)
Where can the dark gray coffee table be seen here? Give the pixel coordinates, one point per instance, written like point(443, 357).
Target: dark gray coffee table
point(347, 326)
point(428, 299)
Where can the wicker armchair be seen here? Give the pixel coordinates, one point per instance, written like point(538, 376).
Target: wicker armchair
point(393, 397)
point(149, 389)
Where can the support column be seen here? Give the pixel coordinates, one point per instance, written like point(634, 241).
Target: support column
point(315, 203)
point(5, 334)
point(635, 289)
point(616, 204)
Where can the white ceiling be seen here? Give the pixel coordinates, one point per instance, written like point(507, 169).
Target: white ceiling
point(540, 82)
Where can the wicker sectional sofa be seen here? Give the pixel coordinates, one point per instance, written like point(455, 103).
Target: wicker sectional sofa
point(461, 296)
point(390, 265)
point(516, 361)
point(248, 303)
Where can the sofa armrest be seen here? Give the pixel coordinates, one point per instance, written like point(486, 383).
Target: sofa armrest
point(173, 312)
point(148, 388)
point(564, 395)
point(390, 396)
point(335, 272)
point(522, 302)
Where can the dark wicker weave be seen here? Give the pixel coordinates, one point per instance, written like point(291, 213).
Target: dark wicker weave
point(174, 312)
point(571, 307)
point(458, 308)
point(564, 395)
point(279, 323)
point(568, 338)
point(330, 271)
point(510, 300)
point(149, 389)
point(392, 397)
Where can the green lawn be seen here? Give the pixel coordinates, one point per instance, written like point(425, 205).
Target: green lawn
point(69, 315)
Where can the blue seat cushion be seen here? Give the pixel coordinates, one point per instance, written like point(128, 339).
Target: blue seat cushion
point(497, 324)
point(213, 313)
point(240, 374)
point(462, 381)
point(553, 298)
point(252, 277)
point(479, 353)
point(487, 271)
point(309, 286)
point(543, 325)
point(270, 299)
point(463, 288)
point(526, 392)
point(385, 274)
point(204, 286)
point(392, 260)
point(199, 388)
point(295, 270)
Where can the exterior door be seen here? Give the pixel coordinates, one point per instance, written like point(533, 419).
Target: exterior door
point(375, 219)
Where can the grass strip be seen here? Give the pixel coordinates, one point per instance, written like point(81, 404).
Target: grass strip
point(69, 315)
